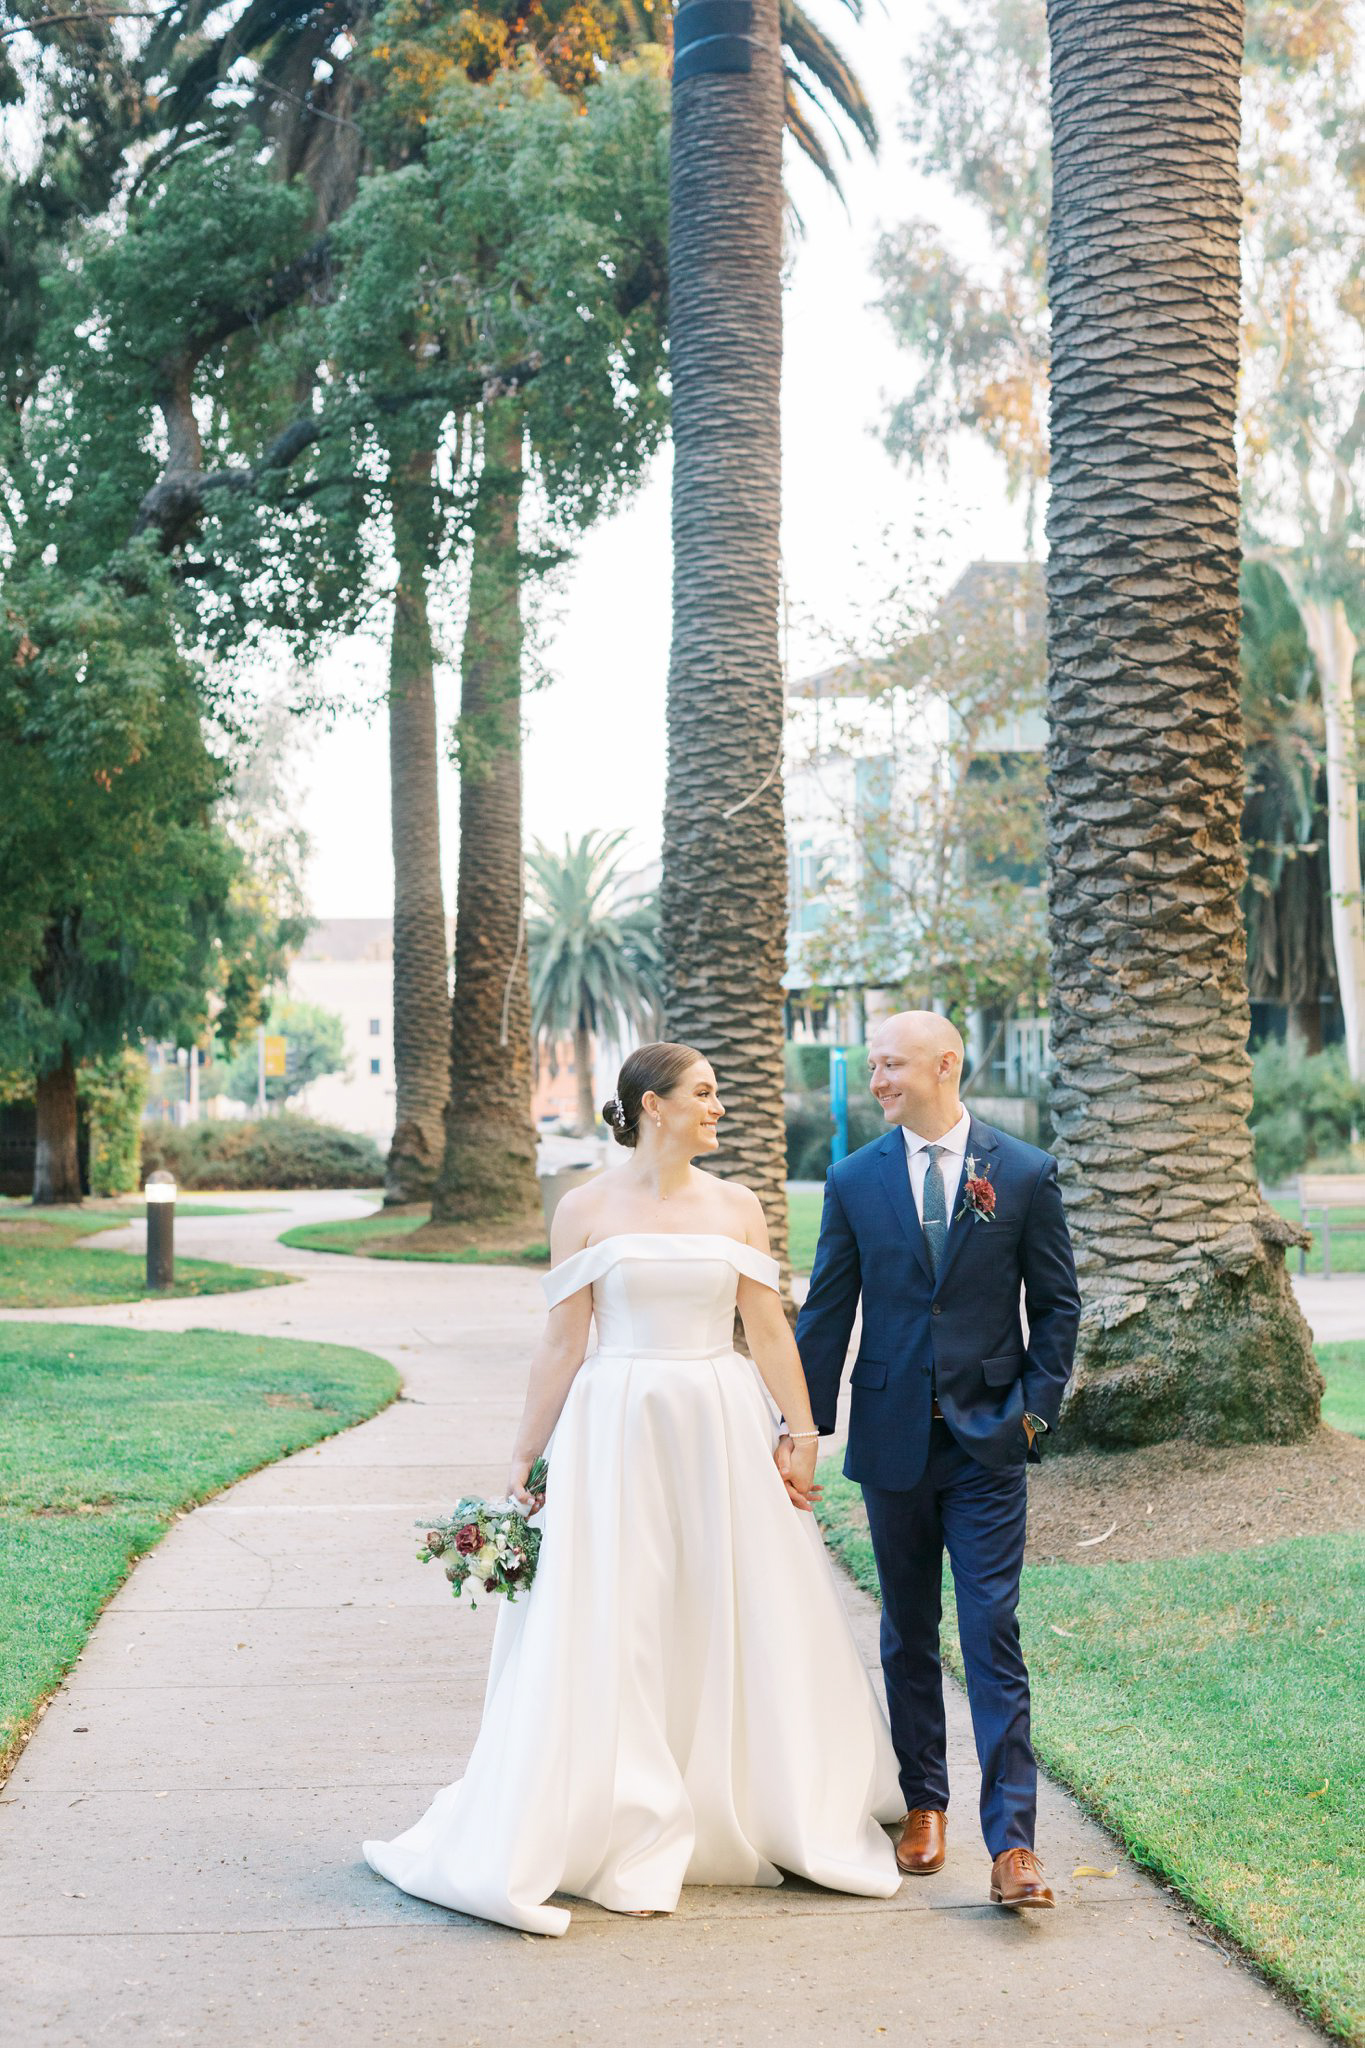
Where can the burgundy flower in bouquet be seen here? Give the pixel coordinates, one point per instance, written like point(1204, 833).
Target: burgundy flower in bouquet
point(489, 1545)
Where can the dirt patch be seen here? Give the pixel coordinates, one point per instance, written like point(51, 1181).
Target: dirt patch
point(1174, 1500)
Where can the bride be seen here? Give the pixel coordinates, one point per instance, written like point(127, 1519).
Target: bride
point(678, 1699)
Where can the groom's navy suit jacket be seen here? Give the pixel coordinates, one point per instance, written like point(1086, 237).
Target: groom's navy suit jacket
point(959, 1335)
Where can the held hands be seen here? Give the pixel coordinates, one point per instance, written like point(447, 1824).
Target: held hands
point(796, 1463)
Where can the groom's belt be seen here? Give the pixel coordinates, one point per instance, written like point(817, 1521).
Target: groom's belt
point(936, 1411)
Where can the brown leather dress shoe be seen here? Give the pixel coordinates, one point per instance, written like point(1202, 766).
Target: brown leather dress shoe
point(922, 1846)
point(1017, 1880)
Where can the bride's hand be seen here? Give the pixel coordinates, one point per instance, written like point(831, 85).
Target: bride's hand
point(796, 1463)
point(517, 1489)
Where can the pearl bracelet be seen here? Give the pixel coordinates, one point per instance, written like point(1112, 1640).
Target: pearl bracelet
point(804, 1435)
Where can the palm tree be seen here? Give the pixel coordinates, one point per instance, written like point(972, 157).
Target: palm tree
point(421, 977)
point(724, 895)
point(594, 960)
point(488, 1171)
point(1191, 1327)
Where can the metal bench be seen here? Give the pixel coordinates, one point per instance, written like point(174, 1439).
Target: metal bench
point(1324, 1192)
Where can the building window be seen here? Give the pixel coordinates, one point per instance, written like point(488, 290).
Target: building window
point(810, 882)
point(374, 1027)
point(374, 1066)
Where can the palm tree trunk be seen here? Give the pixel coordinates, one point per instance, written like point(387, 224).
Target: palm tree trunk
point(1334, 646)
point(56, 1167)
point(723, 900)
point(582, 1066)
point(488, 1173)
point(1191, 1328)
point(421, 980)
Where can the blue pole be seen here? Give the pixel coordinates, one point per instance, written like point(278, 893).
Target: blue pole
point(838, 1101)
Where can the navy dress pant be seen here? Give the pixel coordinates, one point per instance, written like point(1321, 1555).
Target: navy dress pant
point(979, 1516)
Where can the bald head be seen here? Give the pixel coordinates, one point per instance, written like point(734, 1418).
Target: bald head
point(914, 1070)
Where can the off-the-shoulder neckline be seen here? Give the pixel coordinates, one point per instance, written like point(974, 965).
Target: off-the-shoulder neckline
point(746, 1258)
point(716, 1236)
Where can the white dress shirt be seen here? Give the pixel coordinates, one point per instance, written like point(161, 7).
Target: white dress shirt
point(954, 1143)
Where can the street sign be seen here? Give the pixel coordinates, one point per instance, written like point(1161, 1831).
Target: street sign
point(276, 1057)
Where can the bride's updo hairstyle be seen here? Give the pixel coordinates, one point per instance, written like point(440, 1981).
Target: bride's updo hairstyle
point(656, 1069)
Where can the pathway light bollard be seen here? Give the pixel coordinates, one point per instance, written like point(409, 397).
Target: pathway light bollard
point(160, 1194)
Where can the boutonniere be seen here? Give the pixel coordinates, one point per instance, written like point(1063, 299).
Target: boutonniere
point(978, 1194)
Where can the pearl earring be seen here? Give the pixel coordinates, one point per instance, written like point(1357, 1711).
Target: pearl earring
point(658, 1123)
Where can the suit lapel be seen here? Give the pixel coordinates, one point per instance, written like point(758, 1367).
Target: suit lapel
point(895, 1170)
point(981, 1146)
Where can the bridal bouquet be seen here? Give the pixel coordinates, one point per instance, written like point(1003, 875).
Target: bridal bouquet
point(488, 1545)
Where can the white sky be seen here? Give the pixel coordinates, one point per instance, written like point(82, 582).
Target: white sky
point(847, 511)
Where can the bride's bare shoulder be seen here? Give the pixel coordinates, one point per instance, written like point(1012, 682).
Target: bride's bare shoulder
point(575, 1214)
point(744, 1213)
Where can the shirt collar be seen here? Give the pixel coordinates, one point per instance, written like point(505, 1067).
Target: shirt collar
point(954, 1140)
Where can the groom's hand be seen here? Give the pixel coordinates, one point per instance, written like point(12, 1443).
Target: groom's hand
point(796, 1464)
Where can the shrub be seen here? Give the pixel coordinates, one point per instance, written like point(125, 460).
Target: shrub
point(115, 1092)
point(279, 1152)
point(1303, 1109)
point(810, 1130)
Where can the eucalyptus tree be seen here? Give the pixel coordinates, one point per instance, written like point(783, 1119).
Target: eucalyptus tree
point(1191, 1326)
point(1287, 899)
point(594, 954)
point(1303, 404)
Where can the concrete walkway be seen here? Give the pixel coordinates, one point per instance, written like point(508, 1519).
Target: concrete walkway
point(179, 1855)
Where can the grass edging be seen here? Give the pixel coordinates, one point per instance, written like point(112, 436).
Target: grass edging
point(107, 1436)
point(366, 1237)
point(1200, 1710)
point(45, 1262)
point(369, 1237)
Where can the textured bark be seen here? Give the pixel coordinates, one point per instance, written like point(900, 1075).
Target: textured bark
point(56, 1168)
point(1334, 648)
point(421, 979)
point(1191, 1327)
point(488, 1173)
point(724, 893)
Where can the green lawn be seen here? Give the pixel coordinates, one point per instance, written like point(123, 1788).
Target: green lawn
point(186, 1205)
point(43, 1263)
point(117, 1209)
point(1343, 1368)
point(803, 1226)
point(105, 1434)
point(1348, 1249)
point(1210, 1712)
point(366, 1237)
point(358, 1234)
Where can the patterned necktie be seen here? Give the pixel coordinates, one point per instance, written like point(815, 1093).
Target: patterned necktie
point(935, 1218)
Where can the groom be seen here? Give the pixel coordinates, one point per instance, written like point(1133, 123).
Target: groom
point(936, 1226)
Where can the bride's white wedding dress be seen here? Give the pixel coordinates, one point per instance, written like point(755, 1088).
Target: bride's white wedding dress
point(679, 1698)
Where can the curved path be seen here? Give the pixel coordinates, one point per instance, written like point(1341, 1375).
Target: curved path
point(179, 1853)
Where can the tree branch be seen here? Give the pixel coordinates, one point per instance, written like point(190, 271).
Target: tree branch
point(86, 14)
point(177, 502)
